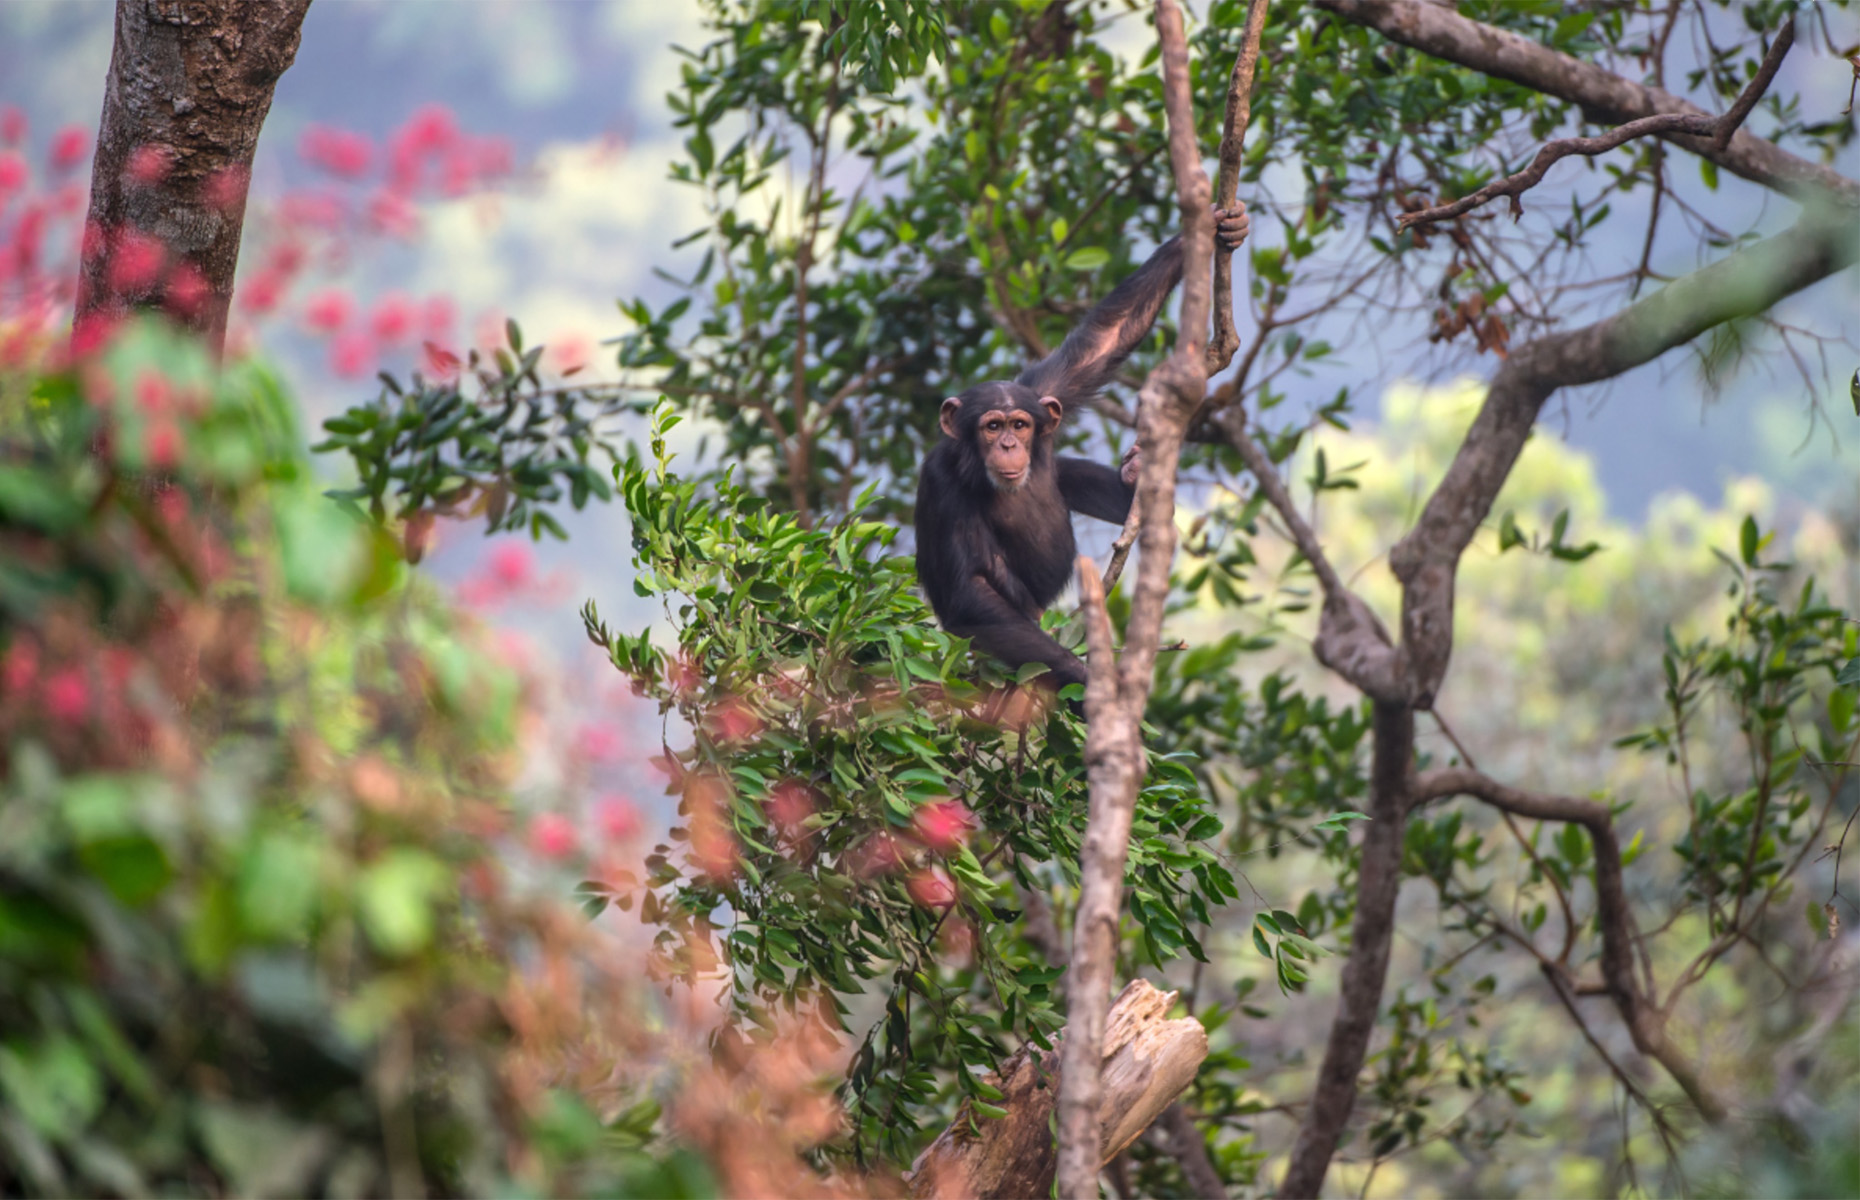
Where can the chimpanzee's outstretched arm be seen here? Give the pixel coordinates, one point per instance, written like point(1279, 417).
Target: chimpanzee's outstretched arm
point(994, 625)
point(1094, 350)
point(1095, 489)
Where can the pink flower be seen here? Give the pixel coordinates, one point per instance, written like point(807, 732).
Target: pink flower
point(286, 258)
point(944, 825)
point(430, 131)
point(67, 695)
point(136, 262)
point(328, 310)
point(877, 855)
point(171, 506)
point(153, 395)
point(617, 818)
point(733, 721)
point(790, 803)
point(91, 332)
point(225, 188)
point(164, 445)
point(351, 354)
point(188, 289)
point(69, 147)
point(13, 171)
point(317, 210)
point(149, 164)
point(28, 231)
point(932, 887)
point(441, 363)
point(12, 125)
point(457, 173)
point(552, 836)
point(338, 151)
point(94, 244)
point(393, 318)
point(598, 743)
point(571, 354)
point(262, 292)
point(512, 564)
point(393, 214)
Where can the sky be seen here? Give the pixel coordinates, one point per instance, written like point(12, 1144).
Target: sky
point(577, 90)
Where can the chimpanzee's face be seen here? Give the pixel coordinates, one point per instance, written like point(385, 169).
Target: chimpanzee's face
point(1003, 424)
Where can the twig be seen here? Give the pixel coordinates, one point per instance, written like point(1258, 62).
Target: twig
point(1226, 338)
point(1719, 129)
point(1645, 1022)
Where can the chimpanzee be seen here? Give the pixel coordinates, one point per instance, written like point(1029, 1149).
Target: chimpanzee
point(994, 503)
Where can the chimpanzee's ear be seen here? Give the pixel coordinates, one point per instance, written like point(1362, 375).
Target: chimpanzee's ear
point(1054, 409)
point(951, 407)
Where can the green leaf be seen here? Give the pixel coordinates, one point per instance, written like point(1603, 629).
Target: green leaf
point(1089, 258)
point(396, 896)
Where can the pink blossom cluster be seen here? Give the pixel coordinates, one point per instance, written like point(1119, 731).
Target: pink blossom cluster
point(37, 213)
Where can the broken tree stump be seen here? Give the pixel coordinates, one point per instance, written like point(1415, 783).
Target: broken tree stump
point(1149, 1060)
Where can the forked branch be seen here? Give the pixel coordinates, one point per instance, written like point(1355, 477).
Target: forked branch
point(1645, 1021)
point(1118, 690)
point(1718, 129)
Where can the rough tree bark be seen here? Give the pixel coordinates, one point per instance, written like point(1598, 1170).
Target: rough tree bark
point(189, 86)
point(1602, 95)
point(1148, 1060)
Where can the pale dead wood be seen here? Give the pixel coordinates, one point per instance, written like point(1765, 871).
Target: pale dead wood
point(1717, 129)
point(1148, 1061)
point(1118, 690)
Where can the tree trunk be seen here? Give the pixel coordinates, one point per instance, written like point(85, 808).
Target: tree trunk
point(1148, 1061)
point(1378, 885)
point(190, 83)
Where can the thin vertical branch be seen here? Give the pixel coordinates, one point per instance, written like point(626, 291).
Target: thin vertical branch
point(1117, 691)
point(1227, 185)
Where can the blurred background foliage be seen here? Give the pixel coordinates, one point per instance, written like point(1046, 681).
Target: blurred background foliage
point(291, 839)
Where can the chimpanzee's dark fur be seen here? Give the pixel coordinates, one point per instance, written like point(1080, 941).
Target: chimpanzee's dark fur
point(991, 560)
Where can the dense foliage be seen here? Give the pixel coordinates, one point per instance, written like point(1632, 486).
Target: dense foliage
point(261, 923)
point(857, 808)
point(275, 915)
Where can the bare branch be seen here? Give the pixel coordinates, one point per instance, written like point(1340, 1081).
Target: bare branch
point(1352, 640)
point(1120, 549)
point(1227, 185)
point(1749, 281)
point(1645, 1022)
point(1601, 94)
point(1718, 129)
